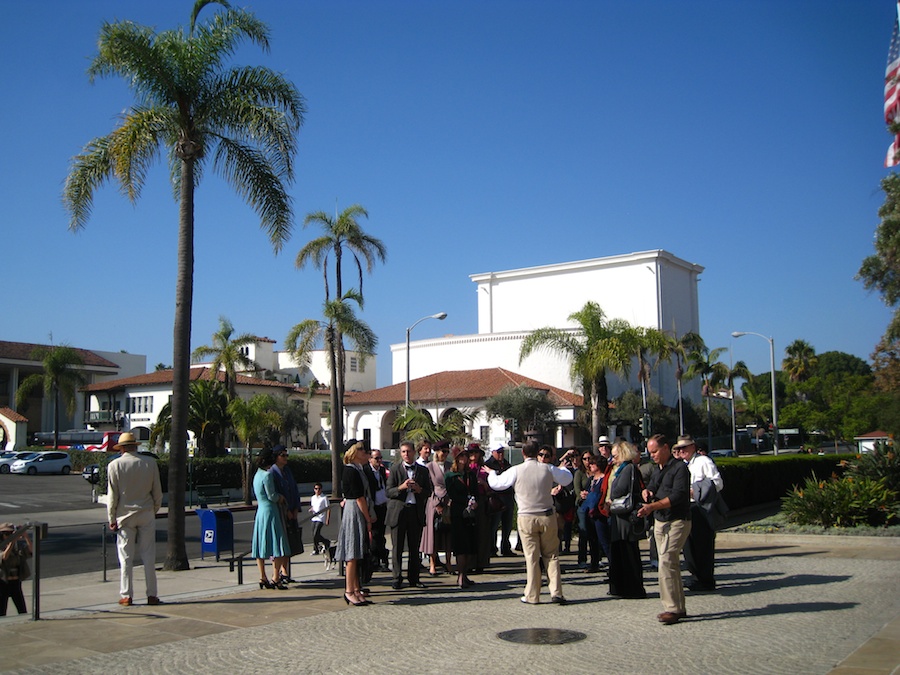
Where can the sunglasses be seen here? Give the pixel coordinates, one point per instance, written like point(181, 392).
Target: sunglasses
point(543, 454)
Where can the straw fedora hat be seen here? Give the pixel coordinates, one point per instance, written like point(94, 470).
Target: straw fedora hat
point(126, 440)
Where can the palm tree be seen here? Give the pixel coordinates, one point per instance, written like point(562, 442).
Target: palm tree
point(251, 419)
point(227, 354)
point(242, 120)
point(307, 335)
point(595, 346)
point(738, 370)
point(705, 364)
point(800, 361)
point(342, 232)
point(648, 342)
point(60, 379)
point(680, 348)
point(208, 417)
point(417, 425)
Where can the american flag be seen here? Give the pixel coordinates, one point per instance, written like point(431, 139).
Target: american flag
point(892, 91)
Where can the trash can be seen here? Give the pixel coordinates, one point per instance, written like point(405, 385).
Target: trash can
point(216, 531)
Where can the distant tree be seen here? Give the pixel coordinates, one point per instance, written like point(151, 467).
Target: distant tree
point(663, 419)
point(841, 363)
point(881, 271)
point(208, 418)
point(200, 111)
point(293, 418)
point(680, 348)
point(343, 234)
point(531, 408)
point(886, 366)
point(800, 361)
point(303, 338)
point(596, 346)
point(252, 420)
point(417, 425)
point(227, 354)
point(162, 366)
point(705, 364)
point(59, 380)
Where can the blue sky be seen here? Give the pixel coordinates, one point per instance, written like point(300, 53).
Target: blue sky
point(747, 137)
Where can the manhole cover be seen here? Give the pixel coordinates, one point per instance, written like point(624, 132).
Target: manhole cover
point(541, 636)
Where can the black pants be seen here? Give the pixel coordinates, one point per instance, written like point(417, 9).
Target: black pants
point(11, 589)
point(408, 531)
point(700, 549)
point(379, 542)
point(502, 520)
point(626, 577)
point(319, 542)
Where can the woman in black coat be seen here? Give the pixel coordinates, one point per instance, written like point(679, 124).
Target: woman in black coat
point(626, 578)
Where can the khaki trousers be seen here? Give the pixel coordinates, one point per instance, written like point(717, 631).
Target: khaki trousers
point(670, 538)
point(540, 541)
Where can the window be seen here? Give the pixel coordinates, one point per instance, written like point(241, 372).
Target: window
point(485, 433)
point(140, 404)
point(326, 407)
point(354, 364)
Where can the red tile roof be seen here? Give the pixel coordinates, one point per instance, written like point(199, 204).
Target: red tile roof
point(461, 385)
point(165, 377)
point(21, 351)
point(12, 415)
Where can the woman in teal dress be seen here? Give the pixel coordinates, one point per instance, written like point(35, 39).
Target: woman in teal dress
point(462, 483)
point(269, 540)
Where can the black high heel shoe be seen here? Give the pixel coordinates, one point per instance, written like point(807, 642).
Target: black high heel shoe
point(265, 583)
point(354, 602)
point(279, 584)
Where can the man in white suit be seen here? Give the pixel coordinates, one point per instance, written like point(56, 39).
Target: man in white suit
point(135, 496)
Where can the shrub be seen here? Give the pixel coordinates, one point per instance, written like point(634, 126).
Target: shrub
point(882, 462)
point(841, 502)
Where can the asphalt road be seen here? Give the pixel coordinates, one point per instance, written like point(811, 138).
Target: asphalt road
point(78, 548)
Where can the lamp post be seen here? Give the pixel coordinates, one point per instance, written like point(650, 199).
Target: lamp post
point(440, 316)
point(771, 342)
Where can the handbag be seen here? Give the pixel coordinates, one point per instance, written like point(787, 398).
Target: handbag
point(294, 536)
point(640, 525)
point(621, 506)
point(495, 504)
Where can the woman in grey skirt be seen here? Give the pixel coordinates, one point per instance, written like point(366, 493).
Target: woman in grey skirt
point(356, 521)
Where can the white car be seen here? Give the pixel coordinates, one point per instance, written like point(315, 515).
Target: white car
point(43, 462)
point(7, 458)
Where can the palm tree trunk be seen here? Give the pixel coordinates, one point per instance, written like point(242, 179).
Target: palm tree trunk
point(246, 466)
point(55, 416)
point(680, 409)
point(337, 427)
point(176, 552)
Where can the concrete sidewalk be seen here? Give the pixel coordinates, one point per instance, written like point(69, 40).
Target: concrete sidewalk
point(785, 605)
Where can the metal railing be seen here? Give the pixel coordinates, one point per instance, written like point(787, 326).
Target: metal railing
point(39, 533)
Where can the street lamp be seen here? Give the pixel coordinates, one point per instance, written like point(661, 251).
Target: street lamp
point(771, 342)
point(440, 316)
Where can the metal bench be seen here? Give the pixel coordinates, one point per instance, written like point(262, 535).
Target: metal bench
point(211, 493)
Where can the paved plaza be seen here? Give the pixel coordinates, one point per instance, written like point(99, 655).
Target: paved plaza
point(786, 604)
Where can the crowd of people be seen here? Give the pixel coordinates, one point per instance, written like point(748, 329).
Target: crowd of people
point(445, 506)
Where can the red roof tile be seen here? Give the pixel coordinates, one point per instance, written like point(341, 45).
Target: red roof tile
point(21, 351)
point(461, 385)
point(12, 415)
point(165, 377)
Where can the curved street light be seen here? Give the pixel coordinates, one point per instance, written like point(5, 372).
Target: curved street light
point(440, 316)
point(771, 342)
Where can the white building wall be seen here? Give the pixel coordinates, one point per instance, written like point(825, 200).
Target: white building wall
point(652, 288)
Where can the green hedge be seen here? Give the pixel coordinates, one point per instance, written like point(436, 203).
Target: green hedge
point(750, 481)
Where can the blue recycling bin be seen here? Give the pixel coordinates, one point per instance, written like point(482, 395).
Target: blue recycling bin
point(216, 531)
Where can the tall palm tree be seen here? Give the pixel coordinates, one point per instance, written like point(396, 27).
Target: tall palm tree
point(251, 419)
point(60, 380)
point(705, 364)
point(227, 354)
point(596, 346)
point(302, 339)
point(343, 233)
point(800, 360)
point(738, 370)
point(647, 343)
point(190, 103)
point(680, 348)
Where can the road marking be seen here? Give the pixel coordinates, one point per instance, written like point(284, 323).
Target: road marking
point(11, 506)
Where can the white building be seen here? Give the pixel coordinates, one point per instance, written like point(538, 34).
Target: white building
point(371, 414)
point(16, 363)
point(652, 288)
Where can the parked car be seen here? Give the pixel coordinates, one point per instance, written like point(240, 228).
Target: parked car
point(723, 453)
point(43, 462)
point(91, 473)
point(7, 458)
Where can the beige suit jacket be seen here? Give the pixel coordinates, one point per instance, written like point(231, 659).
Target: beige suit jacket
point(134, 492)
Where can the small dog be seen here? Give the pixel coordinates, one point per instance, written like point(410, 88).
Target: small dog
point(328, 554)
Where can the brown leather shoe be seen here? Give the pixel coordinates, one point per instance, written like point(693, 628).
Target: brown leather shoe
point(668, 618)
point(153, 600)
point(125, 602)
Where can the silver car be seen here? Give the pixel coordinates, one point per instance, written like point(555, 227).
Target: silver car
point(43, 462)
point(7, 458)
